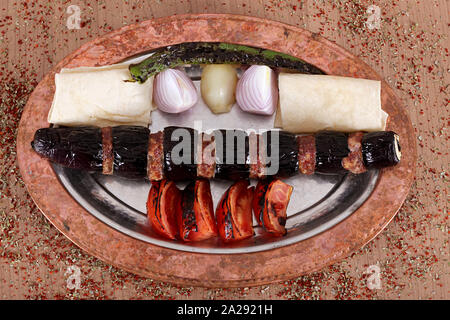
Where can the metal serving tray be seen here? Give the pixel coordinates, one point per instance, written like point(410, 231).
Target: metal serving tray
point(318, 202)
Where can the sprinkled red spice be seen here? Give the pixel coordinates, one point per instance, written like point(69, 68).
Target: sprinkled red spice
point(408, 50)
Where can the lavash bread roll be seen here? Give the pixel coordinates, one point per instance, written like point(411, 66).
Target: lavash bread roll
point(311, 103)
point(100, 96)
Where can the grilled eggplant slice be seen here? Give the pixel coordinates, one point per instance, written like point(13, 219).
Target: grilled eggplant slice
point(381, 149)
point(78, 148)
point(331, 148)
point(130, 148)
point(287, 153)
point(217, 53)
point(180, 150)
point(232, 155)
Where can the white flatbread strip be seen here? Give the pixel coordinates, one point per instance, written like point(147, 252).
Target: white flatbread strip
point(100, 96)
point(310, 103)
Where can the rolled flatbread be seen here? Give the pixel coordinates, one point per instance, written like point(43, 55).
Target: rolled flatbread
point(100, 96)
point(311, 103)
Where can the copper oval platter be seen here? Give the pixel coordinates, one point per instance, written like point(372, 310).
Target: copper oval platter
point(56, 194)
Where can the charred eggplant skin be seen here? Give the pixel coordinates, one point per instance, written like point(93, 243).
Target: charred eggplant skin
point(379, 149)
point(230, 141)
point(218, 53)
point(287, 152)
point(331, 148)
point(78, 148)
point(130, 145)
point(186, 170)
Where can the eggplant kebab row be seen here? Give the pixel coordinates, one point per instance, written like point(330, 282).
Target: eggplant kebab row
point(179, 153)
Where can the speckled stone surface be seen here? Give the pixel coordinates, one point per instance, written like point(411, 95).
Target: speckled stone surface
point(202, 269)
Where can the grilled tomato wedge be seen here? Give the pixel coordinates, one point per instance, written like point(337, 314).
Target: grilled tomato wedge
point(196, 221)
point(163, 207)
point(270, 204)
point(258, 200)
point(234, 212)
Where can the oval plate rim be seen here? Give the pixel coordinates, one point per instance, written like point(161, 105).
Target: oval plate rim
point(217, 270)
